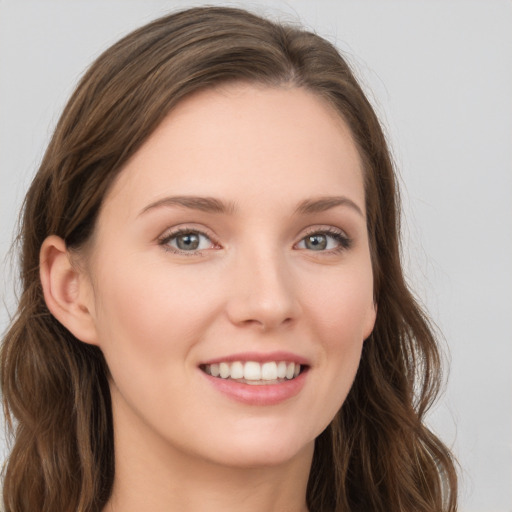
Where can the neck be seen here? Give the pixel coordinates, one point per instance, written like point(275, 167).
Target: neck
point(226, 489)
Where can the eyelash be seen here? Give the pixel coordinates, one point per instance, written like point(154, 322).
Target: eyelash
point(344, 242)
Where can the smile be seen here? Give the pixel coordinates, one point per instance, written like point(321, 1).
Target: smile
point(253, 372)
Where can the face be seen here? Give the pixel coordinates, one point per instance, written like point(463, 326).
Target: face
point(231, 283)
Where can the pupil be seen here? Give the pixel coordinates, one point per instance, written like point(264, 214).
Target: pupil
point(316, 242)
point(190, 241)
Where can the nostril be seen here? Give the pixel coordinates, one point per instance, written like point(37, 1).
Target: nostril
point(266, 322)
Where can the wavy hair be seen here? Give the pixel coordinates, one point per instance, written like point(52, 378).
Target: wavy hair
point(377, 454)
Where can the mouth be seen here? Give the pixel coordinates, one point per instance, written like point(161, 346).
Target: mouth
point(255, 373)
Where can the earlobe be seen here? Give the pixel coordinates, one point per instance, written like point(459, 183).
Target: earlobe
point(67, 291)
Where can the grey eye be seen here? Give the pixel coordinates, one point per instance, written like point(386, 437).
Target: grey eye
point(189, 241)
point(316, 242)
point(324, 241)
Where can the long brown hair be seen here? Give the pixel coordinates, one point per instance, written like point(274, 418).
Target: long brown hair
point(377, 454)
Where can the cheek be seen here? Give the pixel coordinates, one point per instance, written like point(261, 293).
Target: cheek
point(343, 313)
point(342, 304)
point(149, 323)
point(151, 313)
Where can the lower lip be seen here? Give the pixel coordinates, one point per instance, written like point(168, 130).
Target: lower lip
point(264, 394)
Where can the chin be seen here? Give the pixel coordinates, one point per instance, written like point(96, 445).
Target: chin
point(263, 451)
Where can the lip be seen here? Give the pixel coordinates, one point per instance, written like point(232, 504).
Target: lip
point(260, 395)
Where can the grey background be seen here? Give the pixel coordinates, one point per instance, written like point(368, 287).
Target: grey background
point(440, 75)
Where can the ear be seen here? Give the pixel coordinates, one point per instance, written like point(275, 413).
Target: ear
point(67, 290)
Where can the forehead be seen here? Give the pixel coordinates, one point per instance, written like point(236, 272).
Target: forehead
point(247, 139)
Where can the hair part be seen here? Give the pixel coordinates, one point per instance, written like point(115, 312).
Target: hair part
point(377, 454)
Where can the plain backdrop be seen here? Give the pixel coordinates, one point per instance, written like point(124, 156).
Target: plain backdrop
point(440, 76)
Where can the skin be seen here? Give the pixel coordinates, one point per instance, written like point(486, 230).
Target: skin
point(255, 285)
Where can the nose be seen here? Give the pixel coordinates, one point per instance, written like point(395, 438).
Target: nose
point(263, 293)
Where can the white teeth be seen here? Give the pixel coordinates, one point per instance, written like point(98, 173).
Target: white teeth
point(225, 370)
point(269, 371)
point(237, 370)
point(281, 370)
point(253, 371)
point(214, 370)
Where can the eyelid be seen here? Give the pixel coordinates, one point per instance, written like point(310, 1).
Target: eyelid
point(311, 230)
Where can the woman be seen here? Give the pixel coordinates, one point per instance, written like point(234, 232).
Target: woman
point(214, 314)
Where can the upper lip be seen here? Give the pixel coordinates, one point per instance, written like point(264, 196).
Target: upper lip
point(260, 357)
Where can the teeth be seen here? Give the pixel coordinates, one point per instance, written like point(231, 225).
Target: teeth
point(237, 370)
point(281, 370)
point(253, 371)
point(214, 370)
point(269, 371)
point(225, 370)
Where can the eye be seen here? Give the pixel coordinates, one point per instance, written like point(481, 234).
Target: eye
point(187, 240)
point(326, 240)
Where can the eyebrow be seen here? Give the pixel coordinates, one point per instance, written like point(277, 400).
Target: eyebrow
point(322, 204)
point(204, 204)
point(213, 205)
